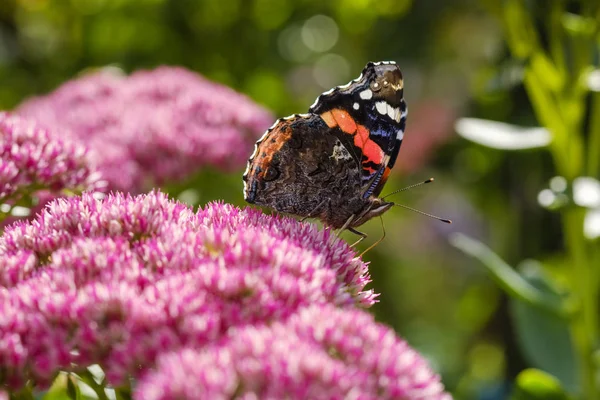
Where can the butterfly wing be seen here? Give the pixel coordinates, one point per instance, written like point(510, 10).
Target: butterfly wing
point(368, 115)
point(299, 167)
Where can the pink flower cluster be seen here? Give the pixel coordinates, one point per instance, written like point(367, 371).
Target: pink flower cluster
point(321, 352)
point(218, 301)
point(153, 126)
point(117, 281)
point(31, 158)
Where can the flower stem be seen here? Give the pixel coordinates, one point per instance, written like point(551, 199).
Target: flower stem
point(593, 166)
point(584, 325)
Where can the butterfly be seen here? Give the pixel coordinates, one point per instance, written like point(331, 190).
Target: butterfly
point(332, 162)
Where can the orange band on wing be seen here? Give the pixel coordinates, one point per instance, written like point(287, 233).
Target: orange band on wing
point(344, 121)
point(361, 137)
point(373, 152)
point(386, 173)
point(370, 149)
point(329, 120)
point(338, 117)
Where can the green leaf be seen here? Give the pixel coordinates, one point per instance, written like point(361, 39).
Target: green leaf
point(520, 32)
point(577, 25)
point(545, 68)
point(93, 378)
point(58, 390)
point(508, 279)
point(533, 384)
point(544, 338)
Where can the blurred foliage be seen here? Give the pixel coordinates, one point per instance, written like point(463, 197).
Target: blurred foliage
point(460, 57)
point(534, 384)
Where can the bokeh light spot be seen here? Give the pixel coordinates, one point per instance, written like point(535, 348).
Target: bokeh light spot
point(271, 14)
point(320, 33)
point(558, 184)
point(356, 16)
point(586, 192)
point(291, 46)
point(546, 198)
point(265, 87)
point(216, 15)
point(331, 70)
point(591, 224)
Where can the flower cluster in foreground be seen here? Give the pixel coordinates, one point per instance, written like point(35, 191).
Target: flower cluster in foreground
point(153, 126)
point(221, 302)
point(33, 158)
point(322, 352)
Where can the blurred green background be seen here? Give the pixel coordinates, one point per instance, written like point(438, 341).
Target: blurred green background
point(283, 54)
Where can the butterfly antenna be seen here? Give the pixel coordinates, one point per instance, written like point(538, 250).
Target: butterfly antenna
point(425, 214)
point(415, 210)
point(408, 187)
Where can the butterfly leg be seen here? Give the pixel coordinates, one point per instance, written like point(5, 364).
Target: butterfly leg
point(346, 225)
point(362, 235)
point(377, 242)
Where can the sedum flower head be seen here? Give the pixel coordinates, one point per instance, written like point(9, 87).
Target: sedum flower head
point(32, 158)
point(119, 281)
point(322, 352)
point(153, 126)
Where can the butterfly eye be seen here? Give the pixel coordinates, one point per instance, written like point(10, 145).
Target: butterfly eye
point(271, 174)
point(375, 86)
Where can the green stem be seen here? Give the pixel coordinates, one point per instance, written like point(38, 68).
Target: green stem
point(556, 37)
point(593, 160)
point(584, 326)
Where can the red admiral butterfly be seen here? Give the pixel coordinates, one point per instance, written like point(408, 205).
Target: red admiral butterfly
point(333, 162)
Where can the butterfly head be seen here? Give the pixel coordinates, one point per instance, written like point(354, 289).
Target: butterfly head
point(374, 208)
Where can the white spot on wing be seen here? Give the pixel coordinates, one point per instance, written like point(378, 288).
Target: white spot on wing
point(355, 106)
point(400, 134)
point(381, 107)
point(393, 113)
point(366, 94)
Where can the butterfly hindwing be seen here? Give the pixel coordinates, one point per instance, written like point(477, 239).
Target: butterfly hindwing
point(300, 168)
